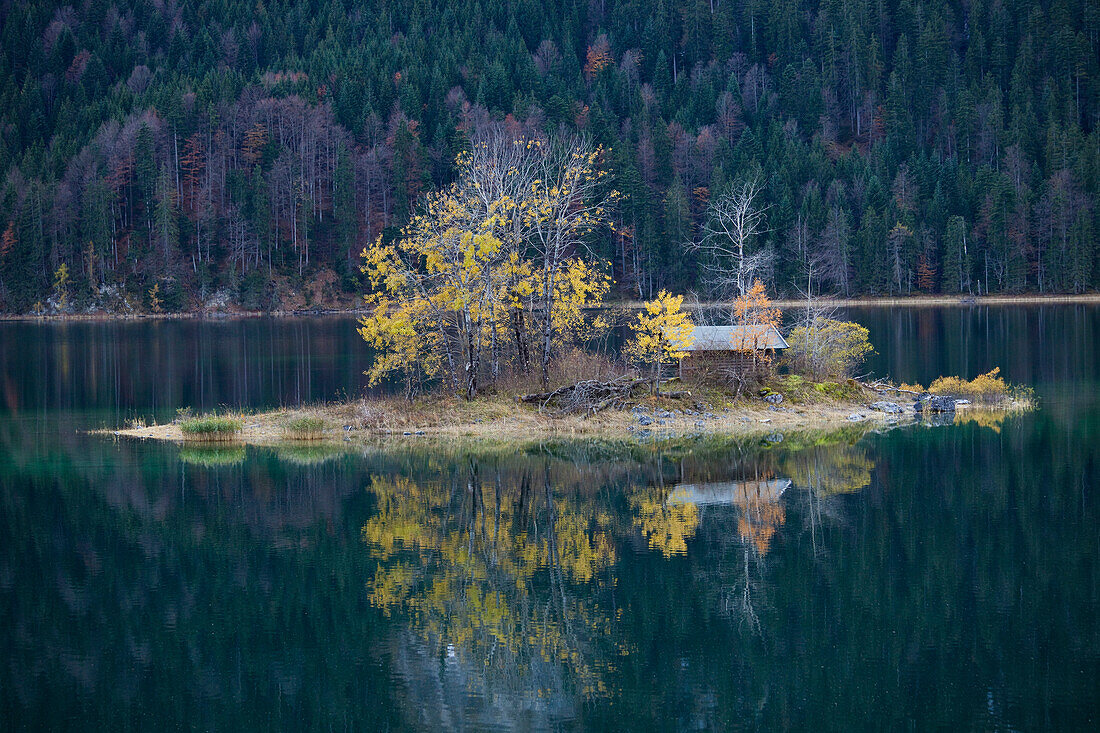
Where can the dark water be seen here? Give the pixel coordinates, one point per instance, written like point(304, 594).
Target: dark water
point(922, 578)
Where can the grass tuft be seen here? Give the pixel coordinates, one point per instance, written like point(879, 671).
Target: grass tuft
point(304, 427)
point(211, 428)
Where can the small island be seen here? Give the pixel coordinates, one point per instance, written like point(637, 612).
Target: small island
point(788, 404)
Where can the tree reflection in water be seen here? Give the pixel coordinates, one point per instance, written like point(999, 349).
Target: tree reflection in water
point(500, 573)
point(504, 568)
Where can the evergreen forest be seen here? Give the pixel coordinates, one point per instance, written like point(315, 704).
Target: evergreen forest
point(166, 155)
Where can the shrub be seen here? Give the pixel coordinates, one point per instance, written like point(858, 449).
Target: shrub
point(829, 348)
point(211, 428)
point(839, 390)
point(986, 387)
point(304, 427)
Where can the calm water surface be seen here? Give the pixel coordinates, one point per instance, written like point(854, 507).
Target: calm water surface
point(943, 577)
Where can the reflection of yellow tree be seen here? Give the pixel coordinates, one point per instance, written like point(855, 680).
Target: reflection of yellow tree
point(491, 571)
point(982, 418)
point(667, 527)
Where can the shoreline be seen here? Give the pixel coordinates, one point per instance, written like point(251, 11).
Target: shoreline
point(355, 424)
point(915, 301)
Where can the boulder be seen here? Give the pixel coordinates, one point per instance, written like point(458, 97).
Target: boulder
point(644, 420)
point(939, 405)
point(891, 408)
point(775, 398)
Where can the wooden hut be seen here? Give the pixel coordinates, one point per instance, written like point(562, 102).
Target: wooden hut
point(719, 351)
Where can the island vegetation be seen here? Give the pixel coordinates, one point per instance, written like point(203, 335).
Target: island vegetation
point(485, 313)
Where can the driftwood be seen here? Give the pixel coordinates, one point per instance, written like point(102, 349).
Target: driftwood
point(881, 386)
point(589, 396)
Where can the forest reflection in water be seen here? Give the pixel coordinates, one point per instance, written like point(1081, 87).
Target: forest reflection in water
point(932, 577)
point(696, 583)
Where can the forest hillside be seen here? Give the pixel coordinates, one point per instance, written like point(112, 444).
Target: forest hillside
point(163, 155)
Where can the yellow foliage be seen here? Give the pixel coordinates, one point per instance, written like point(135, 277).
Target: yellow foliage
point(666, 526)
point(468, 568)
point(986, 387)
point(154, 298)
point(458, 279)
point(662, 331)
point(61, 286)
point(578, 289)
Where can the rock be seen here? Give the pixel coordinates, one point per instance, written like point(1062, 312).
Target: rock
point(700, 423)
point(775, 438)
point(892, 408)
point(420, 432)
point(644, 420)
point(938, 404)
point(710, 416)
point(664, 413)
point(773, 408)
point(961, 402)
point(775, 398)
point(855, 417)
point(766, 419)
point(407, 432)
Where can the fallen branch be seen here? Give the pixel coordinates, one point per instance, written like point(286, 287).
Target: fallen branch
point(880, 386)
point(590, 395)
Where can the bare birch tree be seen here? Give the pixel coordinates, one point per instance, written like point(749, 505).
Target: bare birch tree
point(571, 197)
point(734, 220)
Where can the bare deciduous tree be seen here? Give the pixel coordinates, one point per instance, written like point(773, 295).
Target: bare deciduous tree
point(734, 220)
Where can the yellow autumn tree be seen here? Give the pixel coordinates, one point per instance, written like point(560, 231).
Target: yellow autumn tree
point(661, 333)
point(487, 263)
point(434, 296)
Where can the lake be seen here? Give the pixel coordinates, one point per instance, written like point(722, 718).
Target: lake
point(918, 578)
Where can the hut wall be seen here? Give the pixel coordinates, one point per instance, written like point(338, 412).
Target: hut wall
point(717, 366)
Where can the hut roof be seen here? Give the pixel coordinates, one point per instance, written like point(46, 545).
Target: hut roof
point(740, 493)
point(728, 338)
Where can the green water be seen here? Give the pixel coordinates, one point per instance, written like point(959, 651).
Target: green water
point(920, 578)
